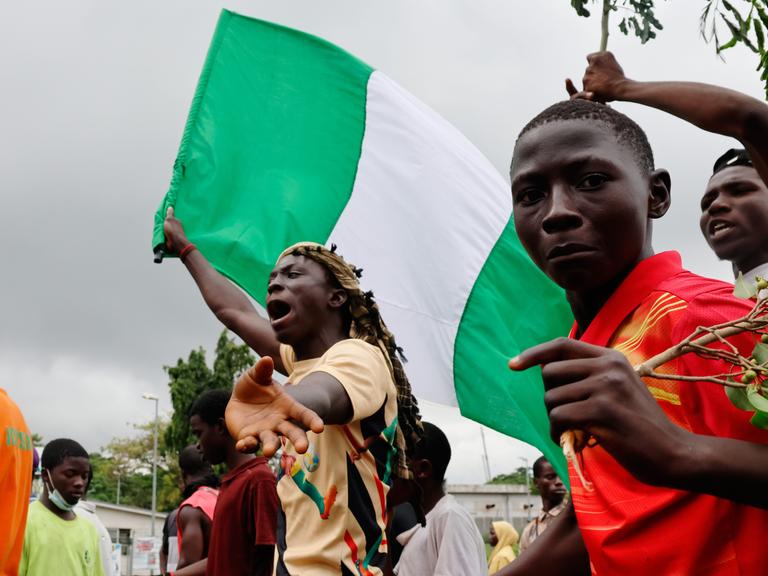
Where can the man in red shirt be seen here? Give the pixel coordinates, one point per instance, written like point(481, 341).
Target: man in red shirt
point(243, 534)
point(678, 473)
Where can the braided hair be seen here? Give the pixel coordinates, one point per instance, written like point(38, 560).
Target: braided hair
point(365, 323)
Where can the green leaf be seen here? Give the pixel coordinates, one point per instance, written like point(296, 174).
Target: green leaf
point(760, 37)
point(760, 420)
point(738, 397)
point(744, 289)
point(760, 353)
point(758, 401)
point(579, 6)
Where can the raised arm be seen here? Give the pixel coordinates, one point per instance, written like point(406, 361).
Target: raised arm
point(559, 551)
point(230, 305)
point(709, 107)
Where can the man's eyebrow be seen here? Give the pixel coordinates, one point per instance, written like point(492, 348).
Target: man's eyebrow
point(573, 164)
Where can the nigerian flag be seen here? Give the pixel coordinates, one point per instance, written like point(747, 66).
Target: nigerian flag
point(290, 138)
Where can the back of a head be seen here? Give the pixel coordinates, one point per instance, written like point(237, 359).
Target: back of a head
point(434, 446)
point(56, 451)
point(626, 130)
point(192, 463)
point(211, 405)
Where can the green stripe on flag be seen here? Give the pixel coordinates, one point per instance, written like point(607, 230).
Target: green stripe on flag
point(271, 147)
point(512, 306)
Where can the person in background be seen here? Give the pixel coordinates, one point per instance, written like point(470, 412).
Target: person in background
point(56, 540)
point(503, 538)
point(87, 510)
point(194, 518)
point(16, 465)
point(552, 492)
point(450, 543)
point(169, 549)
point(243, 535)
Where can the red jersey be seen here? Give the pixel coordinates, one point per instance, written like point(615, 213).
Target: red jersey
point(204, 498)
point(245, 517)
point(631, 528)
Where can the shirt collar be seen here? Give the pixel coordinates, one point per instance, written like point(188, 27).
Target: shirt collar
point(761, 271)
point(644, 279)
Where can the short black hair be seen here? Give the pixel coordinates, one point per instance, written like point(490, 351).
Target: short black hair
point(191, 461)
point(57, 450)
point(434, 446)
point(626, 130)
point(538, 465)
point(210, 405)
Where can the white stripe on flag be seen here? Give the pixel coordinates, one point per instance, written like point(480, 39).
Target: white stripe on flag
point(427, 208)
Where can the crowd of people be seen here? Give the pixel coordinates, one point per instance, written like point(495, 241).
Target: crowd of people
point(674, 474)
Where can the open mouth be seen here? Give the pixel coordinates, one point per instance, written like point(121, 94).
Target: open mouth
point(718, 228)
point(278, 311)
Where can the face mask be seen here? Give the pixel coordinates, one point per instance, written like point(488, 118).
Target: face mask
point(56, 498)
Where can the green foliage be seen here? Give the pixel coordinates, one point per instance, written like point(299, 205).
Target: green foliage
point(743, 22)
point(128, 462)
point(517, 477)
point(191, 377)
point(637, 16)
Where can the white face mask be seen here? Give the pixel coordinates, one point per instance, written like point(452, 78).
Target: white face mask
point(56, 498)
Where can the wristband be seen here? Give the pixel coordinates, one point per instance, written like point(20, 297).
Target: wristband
point(186, 250)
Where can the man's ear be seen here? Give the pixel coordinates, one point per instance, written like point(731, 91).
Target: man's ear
point(337, 298)
point(659, 193)
point(221, 427)
point(422, 469)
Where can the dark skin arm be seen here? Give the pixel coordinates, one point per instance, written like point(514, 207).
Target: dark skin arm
point(230, 305)
point(595, 390)
point(261, 408)
point(711, 108)
point(266, 555)
point(196, 569)
point(559, 551)
point(194, 526)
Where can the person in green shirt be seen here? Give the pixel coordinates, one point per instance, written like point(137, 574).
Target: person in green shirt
point(56, 540)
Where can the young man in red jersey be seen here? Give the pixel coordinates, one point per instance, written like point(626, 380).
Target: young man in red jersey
point(678, 473)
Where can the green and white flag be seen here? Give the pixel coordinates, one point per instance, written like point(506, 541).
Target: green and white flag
point(290, 138)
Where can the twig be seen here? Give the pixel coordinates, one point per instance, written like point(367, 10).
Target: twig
point(607, 7)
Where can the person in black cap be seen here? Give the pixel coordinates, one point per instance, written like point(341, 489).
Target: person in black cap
point(734, 207)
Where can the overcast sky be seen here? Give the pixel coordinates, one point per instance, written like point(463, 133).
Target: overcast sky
point(93, 100)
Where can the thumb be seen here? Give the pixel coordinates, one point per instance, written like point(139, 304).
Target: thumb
point(570, 87)
point(261, 372)
point(169, 212)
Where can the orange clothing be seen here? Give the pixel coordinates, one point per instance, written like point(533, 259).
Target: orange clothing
point(15, 483)
point(634, 529)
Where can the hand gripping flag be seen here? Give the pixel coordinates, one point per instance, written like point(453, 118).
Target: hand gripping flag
point(290, 138)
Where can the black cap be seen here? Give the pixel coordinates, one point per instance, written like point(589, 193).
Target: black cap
point(734, 157)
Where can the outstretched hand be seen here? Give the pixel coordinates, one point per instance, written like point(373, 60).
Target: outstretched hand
point(175, 238)
point(595, 390)
point(260, 409)
point(602, 81)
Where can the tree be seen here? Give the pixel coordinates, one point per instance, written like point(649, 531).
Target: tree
point(746, 25)
point(125, 466)
point(638, 16)
point(743, 21)
point(191, 377)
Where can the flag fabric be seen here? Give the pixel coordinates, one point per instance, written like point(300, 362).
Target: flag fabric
point(290, 138)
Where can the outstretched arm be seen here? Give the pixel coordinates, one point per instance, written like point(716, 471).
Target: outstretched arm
point(559, 551)
point(261, 409)
point(709, 107)
point(230, 305)
point(595, 390)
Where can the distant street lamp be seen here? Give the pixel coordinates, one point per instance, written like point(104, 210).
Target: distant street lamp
point(153, 397)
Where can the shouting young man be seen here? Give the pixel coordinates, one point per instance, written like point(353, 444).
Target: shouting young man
point(678, 474)
point(345, 384)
